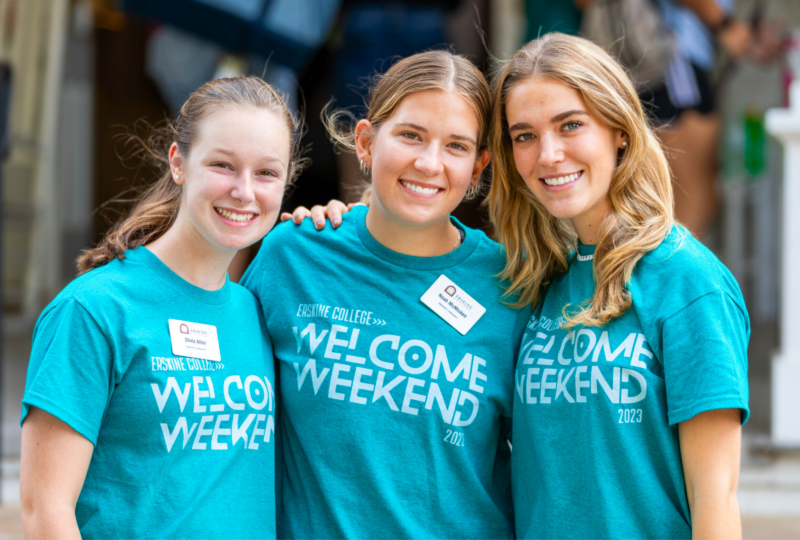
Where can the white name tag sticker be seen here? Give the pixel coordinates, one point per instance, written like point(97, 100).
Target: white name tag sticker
point(451, 303)
point(194, 340)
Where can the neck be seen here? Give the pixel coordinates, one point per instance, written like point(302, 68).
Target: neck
point(587, 232)
point(430, 240)
point(588, 224)
point(190, 256)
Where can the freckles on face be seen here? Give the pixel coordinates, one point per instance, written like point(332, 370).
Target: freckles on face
point(423, 157)
point(564, 153)
point(235, 175)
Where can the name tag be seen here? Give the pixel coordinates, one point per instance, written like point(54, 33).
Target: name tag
point(194, 340)
point(451, 303)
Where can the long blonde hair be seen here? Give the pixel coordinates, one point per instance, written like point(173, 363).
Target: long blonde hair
point(158, 205)
point(430, 70)
point(537, 243)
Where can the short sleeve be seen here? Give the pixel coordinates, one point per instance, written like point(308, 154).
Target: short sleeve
point(251, 280)
point(70, 374)
point(705, 357)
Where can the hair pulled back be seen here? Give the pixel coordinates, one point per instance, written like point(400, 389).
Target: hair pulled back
point(431, 70)
point(158, 205)
point(537, 243)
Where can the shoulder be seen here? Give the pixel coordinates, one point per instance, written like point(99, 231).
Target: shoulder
point(99, 286)
point(287, 237)
point(681, 270)
point(243, 299)
point(488, 255)
point(87, 298)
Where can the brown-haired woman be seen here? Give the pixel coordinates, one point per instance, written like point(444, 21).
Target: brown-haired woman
point(149, 404)
point(395, 349)
point(632, 376)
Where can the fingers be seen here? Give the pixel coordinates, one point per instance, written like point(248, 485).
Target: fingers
point(318, 216)
point(335, 211)
point(332, 211)
point(298, 215)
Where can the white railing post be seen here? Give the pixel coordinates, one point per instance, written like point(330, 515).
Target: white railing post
point(784, 125)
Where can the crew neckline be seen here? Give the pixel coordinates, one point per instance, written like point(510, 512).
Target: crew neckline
point(585, 253)
point(198, 294)
point(467, 246)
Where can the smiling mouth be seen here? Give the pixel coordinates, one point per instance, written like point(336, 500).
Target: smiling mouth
point(422, 190)
point(235, 216)
point(561, 180)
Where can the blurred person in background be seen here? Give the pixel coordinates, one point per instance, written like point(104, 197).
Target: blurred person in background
point(682, 102)
point(372, 36)
point(685, 106)
point(129, 428)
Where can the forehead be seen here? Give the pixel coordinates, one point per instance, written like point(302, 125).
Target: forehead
point(244, 128)
point(438, 110)
point(537, 99)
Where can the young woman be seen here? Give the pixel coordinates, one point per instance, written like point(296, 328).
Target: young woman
point(149, 404)
point(396, 352)
point(631, 380)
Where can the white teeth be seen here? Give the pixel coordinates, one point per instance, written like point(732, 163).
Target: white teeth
point(420, 189)
point(233, 216)
point(561, 179)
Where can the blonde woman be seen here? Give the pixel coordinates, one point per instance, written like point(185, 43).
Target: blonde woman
point(631, 381)
point(395, 350)
point(149, 407)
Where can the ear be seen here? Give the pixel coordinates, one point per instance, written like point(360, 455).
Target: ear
point(480, 164)
point(622, 139)
point(176, 163)
point(364, 137)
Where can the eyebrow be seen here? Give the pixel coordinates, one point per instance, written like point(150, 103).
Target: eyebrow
point(232, 153)
point(423, 130)
point(556, 118)
point(567, 114)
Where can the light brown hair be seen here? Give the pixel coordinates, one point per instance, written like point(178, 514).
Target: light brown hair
point(537, 243)
point(158, 205)
point(431, 70)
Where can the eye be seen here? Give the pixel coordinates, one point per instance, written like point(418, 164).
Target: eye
point(221, 165)
point(522, 137)
point(572, 125)
point(268, 173)
point(457, 146)
point(410, 135)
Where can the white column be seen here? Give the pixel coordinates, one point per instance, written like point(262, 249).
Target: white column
point(784, 125)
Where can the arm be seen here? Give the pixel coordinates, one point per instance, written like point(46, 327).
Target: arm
point(710, 451)
point(54, 462)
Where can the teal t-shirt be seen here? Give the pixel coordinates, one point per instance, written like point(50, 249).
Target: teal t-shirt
point(393, 423)
point(596, 411)
point(183, 447)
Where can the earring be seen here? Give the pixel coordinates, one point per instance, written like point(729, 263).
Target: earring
point(624, 144)
point(363, 167)
point(473, 191)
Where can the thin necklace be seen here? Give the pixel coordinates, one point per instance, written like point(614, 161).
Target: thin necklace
point(458, 239)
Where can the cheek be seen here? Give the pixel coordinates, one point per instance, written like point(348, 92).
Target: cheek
point(460, 171)
point(524, 160)
point(270, 195)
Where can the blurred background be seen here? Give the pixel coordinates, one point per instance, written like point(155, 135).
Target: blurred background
point(77, 74)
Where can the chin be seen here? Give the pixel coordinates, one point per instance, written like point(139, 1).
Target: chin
point(235, 244)
point(420, 216)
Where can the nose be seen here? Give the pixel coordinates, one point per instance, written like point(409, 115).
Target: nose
point(243, 188)
point(550, 152)
point(430, 162)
